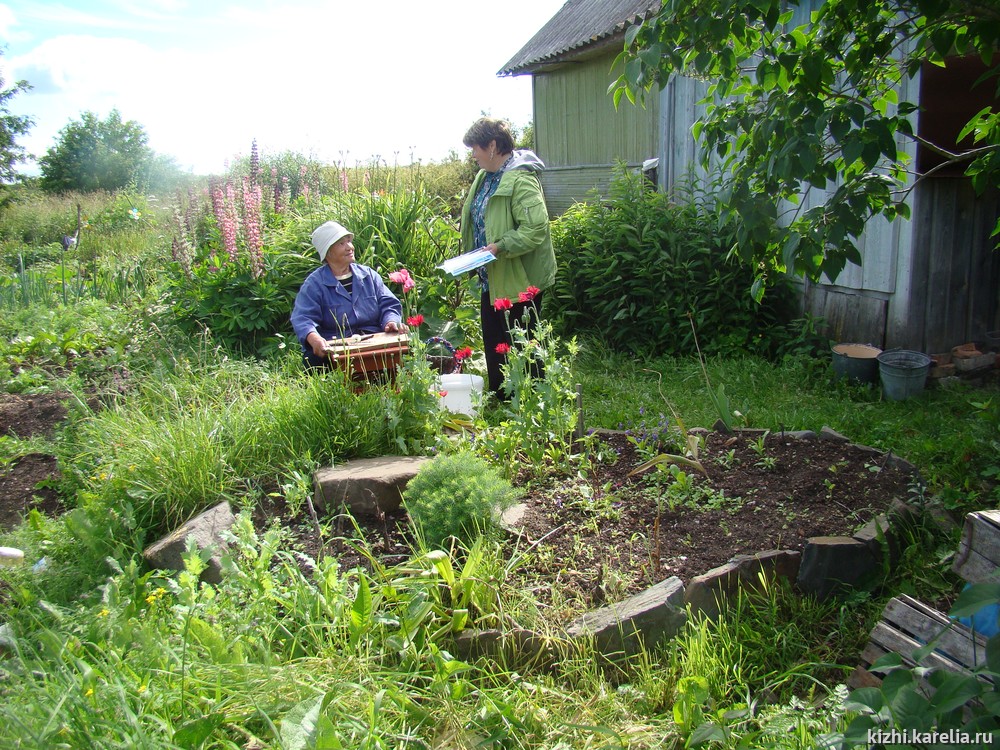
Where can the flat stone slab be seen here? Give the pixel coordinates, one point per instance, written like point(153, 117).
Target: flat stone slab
point(651, 616)
point(708, 592)
point(515, 649)
point(512, 519)
point(365, 486)
point(206, 529)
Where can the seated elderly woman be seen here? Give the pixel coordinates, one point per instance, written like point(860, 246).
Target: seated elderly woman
point(341, 298)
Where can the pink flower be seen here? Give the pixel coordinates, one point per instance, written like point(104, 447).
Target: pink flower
point(415, 320)
point(502, 304)
point(402, 276)
point(502, 348)
point(442, 394)
point(528, 294)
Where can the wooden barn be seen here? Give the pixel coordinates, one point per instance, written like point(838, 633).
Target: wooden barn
point(927, 284)
point(578, 133)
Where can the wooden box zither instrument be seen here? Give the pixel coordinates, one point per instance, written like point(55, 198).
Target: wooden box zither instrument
point(371, 356)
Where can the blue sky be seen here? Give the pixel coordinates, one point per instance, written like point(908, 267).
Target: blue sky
point(337, 81)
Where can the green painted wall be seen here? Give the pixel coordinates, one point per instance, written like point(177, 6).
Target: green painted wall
point(580, 136)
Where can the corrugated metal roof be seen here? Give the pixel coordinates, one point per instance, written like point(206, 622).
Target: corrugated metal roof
point(578, 24)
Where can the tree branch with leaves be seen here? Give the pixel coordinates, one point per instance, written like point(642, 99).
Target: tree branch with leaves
point(12, 127)
point(814, 106)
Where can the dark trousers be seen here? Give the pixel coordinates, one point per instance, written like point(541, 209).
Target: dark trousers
point(495, 332)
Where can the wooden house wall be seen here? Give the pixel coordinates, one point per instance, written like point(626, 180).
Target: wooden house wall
point(564, 186)
point(579, 134)
point(956, 280)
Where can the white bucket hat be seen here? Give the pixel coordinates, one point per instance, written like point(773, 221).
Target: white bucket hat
point(326, 234)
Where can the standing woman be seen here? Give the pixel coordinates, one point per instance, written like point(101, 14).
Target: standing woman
point(505, 213)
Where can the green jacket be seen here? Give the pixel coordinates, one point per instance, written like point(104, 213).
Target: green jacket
point(517, 221)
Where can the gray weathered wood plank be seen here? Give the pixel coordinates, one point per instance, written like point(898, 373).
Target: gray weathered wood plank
point(979, 550)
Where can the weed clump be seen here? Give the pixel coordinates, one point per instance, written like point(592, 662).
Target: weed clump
point(456, 495)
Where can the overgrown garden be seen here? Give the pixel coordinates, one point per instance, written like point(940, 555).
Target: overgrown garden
point(164, 321)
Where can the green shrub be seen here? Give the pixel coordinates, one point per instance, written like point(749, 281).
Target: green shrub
point(458, 495)
point(633, 268)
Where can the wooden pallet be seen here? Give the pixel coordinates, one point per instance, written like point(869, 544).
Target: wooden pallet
point(908, 625)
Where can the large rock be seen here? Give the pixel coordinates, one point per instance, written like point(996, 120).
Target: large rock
point(708, 592)
point(8, 643)
point(517, 649)
point(366, 486)
point(654, 615)
point(206, 530)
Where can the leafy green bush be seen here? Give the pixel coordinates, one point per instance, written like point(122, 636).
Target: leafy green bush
point(458, 495)
point(632, 270)
point(243, 311)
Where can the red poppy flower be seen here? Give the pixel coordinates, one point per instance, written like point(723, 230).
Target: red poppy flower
point(502, 348)
point(464, 352)
point(528, 294)
point(442, 394)
point(502, 304)
point(415, 320)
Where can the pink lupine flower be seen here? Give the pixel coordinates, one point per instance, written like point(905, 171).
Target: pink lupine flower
point(230, 223)
point(253, 226)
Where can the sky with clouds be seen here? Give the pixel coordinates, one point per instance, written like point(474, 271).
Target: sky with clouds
point(337, 81)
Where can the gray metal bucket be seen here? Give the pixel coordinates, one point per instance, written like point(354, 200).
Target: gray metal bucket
point(903, 373)
point(856, 362)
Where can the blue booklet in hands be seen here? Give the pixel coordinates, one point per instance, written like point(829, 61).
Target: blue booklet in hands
point(469, 261)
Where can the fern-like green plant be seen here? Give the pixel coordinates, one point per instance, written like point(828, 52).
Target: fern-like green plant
point(457, 495)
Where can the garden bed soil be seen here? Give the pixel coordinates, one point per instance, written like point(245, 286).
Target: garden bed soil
point(614, 534)
point(609, 535)
point(759, 493)
point(28, 482)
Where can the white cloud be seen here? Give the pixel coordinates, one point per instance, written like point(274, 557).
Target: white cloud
point(8, 22)
point(321, 78)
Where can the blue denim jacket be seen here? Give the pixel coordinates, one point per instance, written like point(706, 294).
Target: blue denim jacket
point(324, 306)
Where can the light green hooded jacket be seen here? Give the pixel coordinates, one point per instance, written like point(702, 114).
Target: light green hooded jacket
point(517, 221)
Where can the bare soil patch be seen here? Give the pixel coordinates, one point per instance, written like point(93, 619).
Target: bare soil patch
point(27, 482)
point(620, 533)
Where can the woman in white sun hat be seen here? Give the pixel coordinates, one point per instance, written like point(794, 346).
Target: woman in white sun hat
point(341, 298)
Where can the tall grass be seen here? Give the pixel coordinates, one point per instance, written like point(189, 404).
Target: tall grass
point(184, 442)
point(61, 285)
point(291, 652)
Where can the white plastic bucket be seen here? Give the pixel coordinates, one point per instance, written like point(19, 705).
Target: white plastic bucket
point(461, 392)
point(11, 556)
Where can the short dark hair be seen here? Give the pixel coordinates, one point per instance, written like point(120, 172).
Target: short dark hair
point(487, 129)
